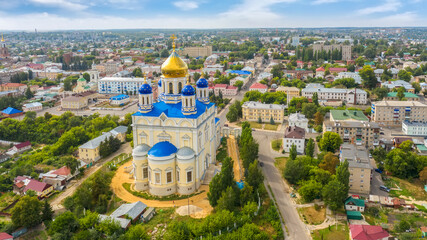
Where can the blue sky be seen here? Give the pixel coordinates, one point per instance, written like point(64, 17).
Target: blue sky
point(122, 14)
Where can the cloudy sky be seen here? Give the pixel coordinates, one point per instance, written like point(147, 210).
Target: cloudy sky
point(123, 14)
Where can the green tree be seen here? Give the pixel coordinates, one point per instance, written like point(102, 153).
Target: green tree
point(315, 99)
point(330, 142)
point(164, 53)
point(86, 76)
point(343, 175)
point(401, 93)
point(369, 80)
point(28, 93)
point(26, 212)
point(329, 162)
point(309, 148)
point(178, 230)
point(293, 152)
point(70, 162)
point(109, 227)
point(238, 84)
point(47, 212)
point(227, 200)
point(298, 169)
point(404, 75)
point(309, 109)
point(334, 194)
point(137, 72)
point(136, 232)
point(255, 177)
point(272, 121)
point(89, 220)
point(416, 86)
point(65, 224)
point(310, 190)
point(221, 181)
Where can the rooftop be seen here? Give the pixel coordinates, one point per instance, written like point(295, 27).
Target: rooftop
point(258, 105)
point(367, 232)
point(407, 95)
point(357, 157)
point(295, 132)
point(398, 104)
point(348, 115)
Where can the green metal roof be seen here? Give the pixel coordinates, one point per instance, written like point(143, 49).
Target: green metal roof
point(354, 215)
point(407, 95)
point(357, 202)
point(422, 148)
point(348, 115)
point(81, 79)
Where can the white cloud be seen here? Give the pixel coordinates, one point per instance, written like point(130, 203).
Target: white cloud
point(387, 6)
point(186, 5)
point(317, 2)
point(61, 4)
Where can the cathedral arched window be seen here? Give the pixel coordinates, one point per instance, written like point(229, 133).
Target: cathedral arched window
point(179, 87)
point(186, 102)
point(206, 133)
point(170, 88)
point(143, 100)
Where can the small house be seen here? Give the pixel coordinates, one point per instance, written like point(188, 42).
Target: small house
point(5, 236)
point(119, 100)
point(368, 232)
point(11, 112)
point(148, 214)
point(132, 211)
point(353, 204)
point(19, 148)
point(354, 215)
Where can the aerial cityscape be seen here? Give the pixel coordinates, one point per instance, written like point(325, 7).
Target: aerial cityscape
point(275, 119)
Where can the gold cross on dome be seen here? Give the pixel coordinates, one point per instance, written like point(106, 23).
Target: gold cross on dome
point(173, 37)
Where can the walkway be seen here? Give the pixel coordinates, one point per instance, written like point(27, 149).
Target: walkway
point(121, 177)
point(233, 151)
point(57, 202)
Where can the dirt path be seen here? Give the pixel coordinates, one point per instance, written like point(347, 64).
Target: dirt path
point(56, 203)
point(121, 177)
point(233, 152)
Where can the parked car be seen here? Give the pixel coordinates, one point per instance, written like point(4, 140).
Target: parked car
point(261, 164)
point(253, 129)
point(225, 125)
point(384, 188)
point(381, 133)
point(378, 170)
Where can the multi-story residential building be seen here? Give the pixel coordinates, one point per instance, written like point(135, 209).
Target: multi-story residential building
point(117, 85)
point(299, 74)
point(196, 51)
point(414, 128)
point(392, 96)
point(354, 96)
point(291, 92)
point(89, 152)
point(35, 106)
point(225, 89)
point(397, 84)
point(74, 103)
point(359, 167)
point(298, 120)
point(353, 127)
point(294, 136)
point(13, 87)
point(346, 49)
point(253, 111)
point(393, 113)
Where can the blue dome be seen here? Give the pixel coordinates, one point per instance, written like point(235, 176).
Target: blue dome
point(159, 83)
point(202, 83)
point(162, 149)
point(145, 89)
point(188, 90)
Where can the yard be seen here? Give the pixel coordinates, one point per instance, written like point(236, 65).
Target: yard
point(312, 216)
point(280, 163)
point(414, 189)
point(276, 144)
point(339, 232)
point(272, 127)
point(253, 125)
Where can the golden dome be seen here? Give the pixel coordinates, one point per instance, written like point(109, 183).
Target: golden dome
point(174, 67)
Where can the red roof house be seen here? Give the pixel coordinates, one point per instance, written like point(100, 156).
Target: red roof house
point(337, 70)
point(5, 236)
point(258, 87)
point(42, 189)
point(368, 232)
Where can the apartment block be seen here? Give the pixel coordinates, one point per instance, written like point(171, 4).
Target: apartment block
point(345, 49)
point(253, 111)
point(353, 127)
point(196, 51)
point(393, 113)
point(359, 167)
point(354, 96)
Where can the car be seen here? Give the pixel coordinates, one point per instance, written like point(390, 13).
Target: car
point(225, 125)
point(261, 164)
point(253, 129)
point(381, 133)
point(370, 155)
point(378, 170)
point(384, 188)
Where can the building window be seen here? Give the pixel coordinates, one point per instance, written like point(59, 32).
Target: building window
point(179, 87)
point(189, 176)
point(170, 88)
point(145, 173)
point(168, 177)
point(157, 178)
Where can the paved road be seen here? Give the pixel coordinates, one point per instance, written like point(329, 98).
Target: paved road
point(296, 228)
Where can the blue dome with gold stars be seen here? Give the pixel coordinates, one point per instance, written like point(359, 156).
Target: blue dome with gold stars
point(202, 83)
point(145, 89)
point(188, 90)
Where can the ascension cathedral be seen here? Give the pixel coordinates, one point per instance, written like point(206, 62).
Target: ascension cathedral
point(175, 139)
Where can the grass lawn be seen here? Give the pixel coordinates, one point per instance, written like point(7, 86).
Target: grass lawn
point(312, 216)
point(414, 189)
point(276, 144)
point(280, 163)
point(253, 125)
point(332, 233)
point(377, 220)
point(271, 127)
point(36, 235)
point(7, 198)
